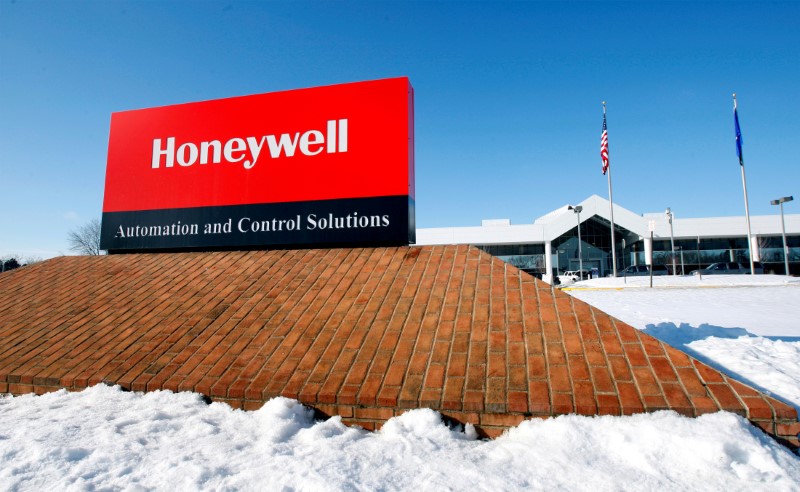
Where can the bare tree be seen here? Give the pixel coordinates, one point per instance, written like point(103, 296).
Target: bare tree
point(85, 240)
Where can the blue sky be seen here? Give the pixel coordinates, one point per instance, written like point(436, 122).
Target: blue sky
point(508, 97)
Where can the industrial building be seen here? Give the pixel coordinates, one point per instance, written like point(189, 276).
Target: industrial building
point(550, 244)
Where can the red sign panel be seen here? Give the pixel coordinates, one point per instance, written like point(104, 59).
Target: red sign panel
point(202, 162)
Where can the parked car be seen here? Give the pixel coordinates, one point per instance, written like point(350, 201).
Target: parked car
point(573, 276)
point(729, 268)
point(643, 271)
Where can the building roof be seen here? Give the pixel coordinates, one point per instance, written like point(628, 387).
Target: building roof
point(363, 333)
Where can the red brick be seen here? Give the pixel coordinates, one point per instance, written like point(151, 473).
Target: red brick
point(373, 413)
point(537, 367)
point(559, 378)
point(691, 381)
point(453, 392)
point(662, 369)
point(473, 401)
point(551, 331)
point(792, 429)
point(611, 344)
point(645, 381)
point(20, 389)
point(708, 374)
point(782, 410)
point(578, 370)
point(602, 379)
point(547, 313)
point(562, 404)
point(594, 352)
point(539, 397)
point(619, 368)
point(573, 343)
point(501, 420)
point(517, 401)
point(463, 417)
point(476, 377)
point(331, 410)
point(430, 398)
point(497, 342)
point(604, 324)
point(703, 405)
point(653, 403)
point(388, 396)
point(496, 395)
point(435, 377)
point(726, 398)
point(249, 405)
point(409, 393)
point(584, 398)
point(419, 363)
point(516, 354)
point(678, 358)
point(741, 389)
point(677, 399)
point(635, 355)
point(629, 398)
point(608, 405)
point(757, 408)
point(556, 354)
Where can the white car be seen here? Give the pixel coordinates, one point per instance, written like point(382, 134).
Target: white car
point(573, 276)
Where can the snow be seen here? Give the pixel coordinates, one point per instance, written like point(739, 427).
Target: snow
point(723, 320)
point(760, 304)
point(105, 438)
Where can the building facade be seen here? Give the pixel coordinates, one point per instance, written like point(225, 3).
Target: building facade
point(550, 244)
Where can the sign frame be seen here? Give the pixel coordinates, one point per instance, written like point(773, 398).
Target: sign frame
point(317, 167)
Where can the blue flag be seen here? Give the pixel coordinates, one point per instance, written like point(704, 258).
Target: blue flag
point(738, 135)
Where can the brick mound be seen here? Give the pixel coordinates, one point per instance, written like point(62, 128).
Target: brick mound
point(360, 333)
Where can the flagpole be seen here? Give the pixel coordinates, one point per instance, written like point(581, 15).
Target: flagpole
point(611, 202)
point(744, 185)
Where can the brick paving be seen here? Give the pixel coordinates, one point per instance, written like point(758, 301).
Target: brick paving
point(363, 333)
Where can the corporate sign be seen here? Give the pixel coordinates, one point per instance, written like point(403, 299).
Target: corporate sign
point(322, 166)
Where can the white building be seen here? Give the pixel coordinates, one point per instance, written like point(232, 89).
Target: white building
point(550, 243)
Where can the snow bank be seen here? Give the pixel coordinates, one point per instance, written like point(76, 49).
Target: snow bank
point(105, 438)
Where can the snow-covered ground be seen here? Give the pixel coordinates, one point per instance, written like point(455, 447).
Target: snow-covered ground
point(103, 438)
point(765, 305)
point(747, 326)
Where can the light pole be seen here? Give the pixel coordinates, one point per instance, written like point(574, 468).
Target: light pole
point(577, 209)
point(781, 201)
point(668, 213)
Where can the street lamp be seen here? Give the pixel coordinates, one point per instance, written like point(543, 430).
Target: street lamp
point(577, 209)
point(781, 201)
point(668, 213)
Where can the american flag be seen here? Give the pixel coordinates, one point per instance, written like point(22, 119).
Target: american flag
point(604, 145)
